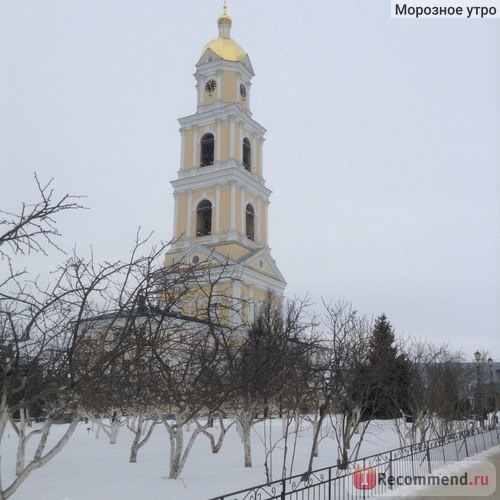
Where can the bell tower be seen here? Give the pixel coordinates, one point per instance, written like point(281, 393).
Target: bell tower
point(220, 198)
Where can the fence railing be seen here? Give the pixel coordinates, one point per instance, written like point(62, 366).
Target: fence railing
point(334, 482)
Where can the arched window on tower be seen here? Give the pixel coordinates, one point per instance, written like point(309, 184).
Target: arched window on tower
point(250, 219)
point(247, 154)
point(207, 150)
point(204, 218)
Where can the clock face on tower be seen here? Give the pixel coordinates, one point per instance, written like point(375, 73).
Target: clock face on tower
point(210, 86)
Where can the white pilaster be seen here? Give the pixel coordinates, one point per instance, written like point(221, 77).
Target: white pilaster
point(231, 138)
point(217, 208)
point(196, 157)
point(218, 141)
point(219, 85)
point(189, 213)
point(183, 148)
point(243, 211)
point(236, 318)
point(258, 219)
point(176, 213)
point(232, 226)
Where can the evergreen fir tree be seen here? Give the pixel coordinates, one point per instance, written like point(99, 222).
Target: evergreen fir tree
point(388, 372)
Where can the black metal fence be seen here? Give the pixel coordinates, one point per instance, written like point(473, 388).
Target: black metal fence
point(334, 482)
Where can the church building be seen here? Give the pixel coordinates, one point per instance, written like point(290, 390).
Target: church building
point(220, 198)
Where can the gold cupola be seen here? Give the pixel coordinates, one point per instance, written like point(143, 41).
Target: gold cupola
point(224, 46)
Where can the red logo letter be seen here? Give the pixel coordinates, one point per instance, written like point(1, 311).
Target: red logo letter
point(365, 479)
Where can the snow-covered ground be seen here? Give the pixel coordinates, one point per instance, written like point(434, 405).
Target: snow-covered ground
point(90, 468)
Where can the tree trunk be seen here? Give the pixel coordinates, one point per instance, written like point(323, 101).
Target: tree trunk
point(178, 455)
point(314, 448)
point(247, 446)
point(137, 444)
point(99, 425)
point(115, 429)
point(21, 446)
point(137, 436)
point(39, 459)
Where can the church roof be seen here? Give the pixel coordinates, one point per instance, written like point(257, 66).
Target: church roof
point(224, 46)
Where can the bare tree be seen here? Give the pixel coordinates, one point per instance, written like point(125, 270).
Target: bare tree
point(340, 386)
point(62, 342)
point(263, 366)
point(437, 397)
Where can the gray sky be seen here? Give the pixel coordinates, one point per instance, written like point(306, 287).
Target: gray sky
point(383, 142)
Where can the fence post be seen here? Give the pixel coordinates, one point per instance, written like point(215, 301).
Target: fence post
point(283, 488)
point(428, 454)
point(329, 483)
point(390, 468)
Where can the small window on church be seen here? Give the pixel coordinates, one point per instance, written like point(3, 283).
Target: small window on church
point(207, 150)
point(250, 216)
point(247, 154)
point(204, 218)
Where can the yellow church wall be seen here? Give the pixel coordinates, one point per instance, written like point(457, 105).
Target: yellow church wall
point(263, 223)
point(238, 211)
point(182, 204)
point(209, 98)
point(236, 142)
point(232, 250)
point(206, 194)
point(225, 199)
point(224, 141)
point(228, 86)
point(170, 257)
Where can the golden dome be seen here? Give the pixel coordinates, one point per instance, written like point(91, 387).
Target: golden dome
point(224, 18)
point(226, 48)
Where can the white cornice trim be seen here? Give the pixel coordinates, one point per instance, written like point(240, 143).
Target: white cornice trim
point(208, 177)
point(223, 65)
point(234, 270)
point(222, 112)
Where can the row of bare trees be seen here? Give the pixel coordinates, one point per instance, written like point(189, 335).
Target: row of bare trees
point(108, 341)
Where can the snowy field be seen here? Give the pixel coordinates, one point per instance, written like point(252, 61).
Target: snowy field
point(92, 469)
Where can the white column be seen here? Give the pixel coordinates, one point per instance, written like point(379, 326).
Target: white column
point(243, 211)
point(261, 156)
point(240, 145)
point(217, 208)
point(232, 226)
point(236, 304)
point(231, 138)
point(254, 155)
point(257, 221)
point(219, 85)
point(183, 146)
point(189, 213)
point(251, 310)
point(218, 141)
point(264, 218)
point(196, 157)
point(176, 213)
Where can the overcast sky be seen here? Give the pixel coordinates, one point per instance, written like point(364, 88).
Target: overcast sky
point(382, 150)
